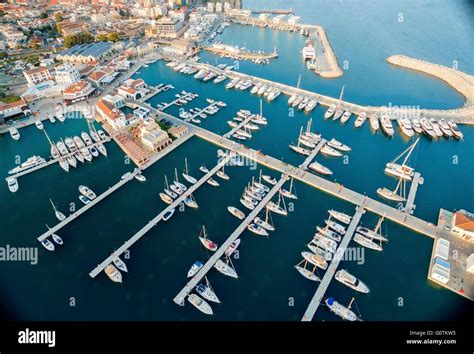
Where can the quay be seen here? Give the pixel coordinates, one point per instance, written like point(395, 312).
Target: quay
point(50, 162)
point(142, 232)
point(331, 270)
point(463, 115)
point(410, 206)
point(274, 12)
point(179, 298)
point(115, 187)
point(240, 54)
point(314, 152)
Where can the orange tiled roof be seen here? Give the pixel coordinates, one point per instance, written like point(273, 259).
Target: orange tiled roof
point(463, 221)
point(76, 87)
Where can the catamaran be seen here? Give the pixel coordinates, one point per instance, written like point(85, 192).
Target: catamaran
point(186, 174)
point(60, 216)
point(210, 245)
point(340, 310)
point(402, 170)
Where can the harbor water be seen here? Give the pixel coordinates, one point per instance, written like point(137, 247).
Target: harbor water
point(58, 287)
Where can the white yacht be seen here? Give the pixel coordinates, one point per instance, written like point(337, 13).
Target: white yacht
point(374, 122)
point(346, 278)
point(200, 304)
point(30, 163)
point(257, 229)
point(335, 226)
point(317, 167)
point(12, 183)
point(195, 268)
point(86, 138)
point(225, 269)
point(58, 240)
point(340, 310)
point(406, 127)
point(236, 212)
point(367, 242)
point(14, 133)
point(387, 126)
point(344, 218)
point(120, 264)
point(330, 111)
point(315, 259)
point(87, 192)
point(338, 145)
point(48, 244)
point(327, 150)
point(39, 124)
point(361, 118)
point(113, 273)
point(345, 117)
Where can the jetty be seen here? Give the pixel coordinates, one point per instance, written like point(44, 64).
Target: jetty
point(409, 206)
point(314, 152)
point(331, 270)
point(239, 54)
point(179, 298)
point(152, 223)
point(274, 12)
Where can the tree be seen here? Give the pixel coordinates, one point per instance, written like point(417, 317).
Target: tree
point(3, 55)
point(80, 38)
point(113, 37)
point(44, 14)
point(58, 17)
point(102, 37)
point(2, 13)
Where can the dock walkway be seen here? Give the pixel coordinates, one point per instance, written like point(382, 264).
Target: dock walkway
point(411, 195)
point(331, 270)
point(314, 152)
point(142, 232)
point(238, 127)
point(179, 298)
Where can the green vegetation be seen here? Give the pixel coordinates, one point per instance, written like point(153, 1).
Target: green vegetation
point(36, 46)
point(44, 14)
point(80, 38)
point(32, 59)
point(2, 13)
point(9, 99)
point(3, 55)
point(102, 37)
point(113, 37)
point(163, 125)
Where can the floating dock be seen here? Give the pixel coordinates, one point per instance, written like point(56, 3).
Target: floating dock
point(238, 127)
point(331, 270)
point(142, 232)
point(314, 152)
point(180, 297)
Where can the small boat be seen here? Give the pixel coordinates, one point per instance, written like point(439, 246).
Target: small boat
point(126, 175)
point(102, 135)
point(344, 277)
point(39, 125)
point(232, 247)
point(315, 259)
point(335, 226)
point(58, 240)
point(194, 268)
point(213, 182)
point(120, 264)
point(204, 169)
point(166, 198)
point(361, 118)
point(330, 111)
point(48, 244)
point(94, 135)
point(60, 216)
point(186, 174)
point(207, 293)
point(101, 148)
point(338, 145)
point(210, 245)
point(269, 179)
point(374, 122)
point(86, 138)
point(14, 133)
point(140, 177)
point(327, 150)
point(246, 203)
point(257, 229)
point(340, 310)
point(51, 118)
point(317, 167)
point(113, 273)
point(168, 214)
point(344, 218)
point(200, 304)
point(222, 174)
point(387, 126)
point(61, 117)
point(324, 231)
point(445, 128)
point(84, 199)
point(94, 151)
point(225, 269)
point(236, 212)
point(338, 114)
point(87, 192)
point(307, 273)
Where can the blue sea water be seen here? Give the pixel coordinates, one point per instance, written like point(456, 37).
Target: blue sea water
point(362, 32)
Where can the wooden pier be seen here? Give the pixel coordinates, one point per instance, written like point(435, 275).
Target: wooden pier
point(409, 206)
point(142, 232)
point(179, 298)
point(331, 270)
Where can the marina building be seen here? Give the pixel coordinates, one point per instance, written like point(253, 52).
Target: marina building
point(12, 109)
point(110, 114)
point(133, 89)
point(37, 75)
point(178, 130)
point(442, 248)
point(152, 137)
point(463, 225)
point(78, 91)
point(85, 53)
point(116, 100)
point(66, 75)
point(166, 27)
point(441, 270)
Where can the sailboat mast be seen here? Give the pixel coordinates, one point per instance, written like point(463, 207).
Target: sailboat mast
point(410, 150)
point(340, 96)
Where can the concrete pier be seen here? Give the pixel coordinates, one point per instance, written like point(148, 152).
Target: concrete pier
point(331, 270)
point(179, 298)
point(411, 195)
point(314, 152)
point(239, 126)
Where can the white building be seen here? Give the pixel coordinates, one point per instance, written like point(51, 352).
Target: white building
point(66, 75)
point(37, 75)
point(442, 248)
point(227, 7)
point(441, 270)
point(210, 7)
point(112, 115)
point(218, 7)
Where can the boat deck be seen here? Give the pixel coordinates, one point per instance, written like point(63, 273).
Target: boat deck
point(152, 223)
point(180, 297)
point(331, 270)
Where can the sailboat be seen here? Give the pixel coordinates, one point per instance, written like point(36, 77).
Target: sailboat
point(210, 245)
point(58, 214)
point(225, 268)
point(308, 274)
point(190, 202)
point(397, 195)
point(289, 193)
point(402, 170)
point(340, 310)
point(222, 174)
point(168, 191)
point(276, 208)
point(264, 223)
point(177, 183)
point(205, 290)
point(186, 174)
point(372, 233)
point(63, 163)
point(339, 111)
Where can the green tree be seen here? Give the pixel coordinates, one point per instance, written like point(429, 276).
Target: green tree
point(58, 17)
point(113, 37)
point(80, 38)
point(3, 55)
point(44, 14)
point(2, 13)
point(102, 37)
